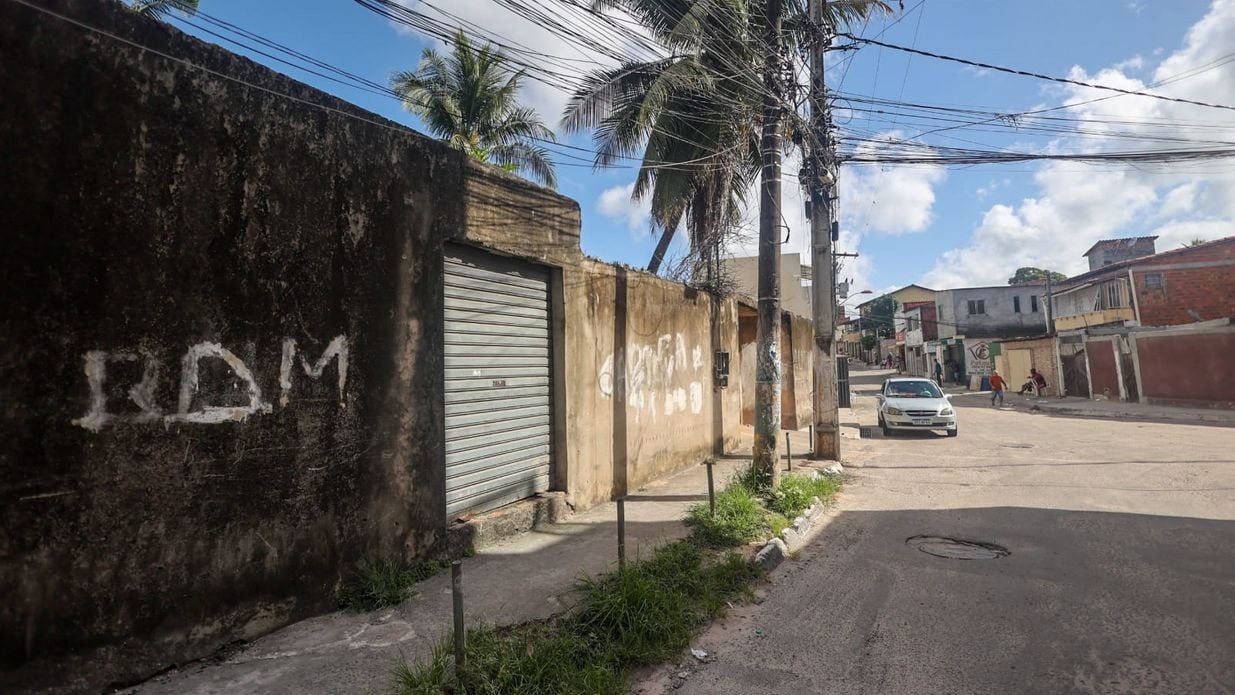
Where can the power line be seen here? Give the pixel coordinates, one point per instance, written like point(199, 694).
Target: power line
point(1025, 73)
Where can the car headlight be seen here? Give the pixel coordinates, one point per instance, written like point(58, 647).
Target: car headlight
point(947, 411)
point(893, 411)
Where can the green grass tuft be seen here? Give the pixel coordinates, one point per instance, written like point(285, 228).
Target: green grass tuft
point(739, 518)
point(382, 582)
point(642, 614)
point(793, 495)
point(533, 658)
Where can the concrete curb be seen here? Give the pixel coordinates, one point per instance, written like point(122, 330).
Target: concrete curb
point(794, 537)
point(1130, 415)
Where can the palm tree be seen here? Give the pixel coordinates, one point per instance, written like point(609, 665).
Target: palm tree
point(469, 98)
point(161, 9)
point(694, 116)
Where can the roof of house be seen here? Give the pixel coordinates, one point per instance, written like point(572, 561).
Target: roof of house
point(1126, 241)
point(889, 294)
point(1125, 264)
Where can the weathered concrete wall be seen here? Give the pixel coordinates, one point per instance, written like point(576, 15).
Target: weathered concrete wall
point(220, 364)
point(1000, 320)
point(1192, 368)
point(802, 345)
point(1103, 372)
point(796, 344)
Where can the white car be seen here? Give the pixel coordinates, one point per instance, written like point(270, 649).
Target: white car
point(915, 404)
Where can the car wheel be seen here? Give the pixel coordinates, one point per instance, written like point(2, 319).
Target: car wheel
point(887, 431)
point(952, 432)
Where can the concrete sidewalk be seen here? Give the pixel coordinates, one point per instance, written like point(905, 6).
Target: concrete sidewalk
point(528, 577)
point(1084, 407)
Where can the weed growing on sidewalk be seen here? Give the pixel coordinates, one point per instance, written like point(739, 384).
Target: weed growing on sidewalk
point(643, 614)
point(739, 518)
point(793, 495)
point(748, 511)
point(382, 582)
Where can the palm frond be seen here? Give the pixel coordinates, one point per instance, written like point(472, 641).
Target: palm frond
point(533, 160)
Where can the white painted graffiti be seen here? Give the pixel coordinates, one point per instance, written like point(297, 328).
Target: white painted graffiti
point(142, 394)
point(660, 379)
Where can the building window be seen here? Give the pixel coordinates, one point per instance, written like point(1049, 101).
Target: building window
point(1033, 303)
point(1016, 304)
point(1153, 281)
point(977, 306)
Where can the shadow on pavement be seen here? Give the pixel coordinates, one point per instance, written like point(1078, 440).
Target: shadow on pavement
point(1085, 602)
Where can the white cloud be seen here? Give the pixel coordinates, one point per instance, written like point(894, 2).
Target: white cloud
point(615, 203)
point(1075, 205)
point(888, 200)
point(1180, 200)
point(1175, 234)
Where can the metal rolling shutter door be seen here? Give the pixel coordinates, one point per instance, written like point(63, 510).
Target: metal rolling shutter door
point(497, 360)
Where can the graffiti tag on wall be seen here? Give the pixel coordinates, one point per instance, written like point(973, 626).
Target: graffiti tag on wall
point(660, 379)
point(142, 394)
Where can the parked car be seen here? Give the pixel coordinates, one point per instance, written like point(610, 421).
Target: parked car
point(915, 404)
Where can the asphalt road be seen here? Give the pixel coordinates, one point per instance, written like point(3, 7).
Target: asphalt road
point(1120, 577)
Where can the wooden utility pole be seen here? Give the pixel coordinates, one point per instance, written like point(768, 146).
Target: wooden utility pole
point(767, 341)
point(822, 182)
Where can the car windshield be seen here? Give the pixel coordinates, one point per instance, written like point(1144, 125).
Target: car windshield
point(913, 389)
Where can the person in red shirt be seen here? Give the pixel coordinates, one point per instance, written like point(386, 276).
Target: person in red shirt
point(997, 387)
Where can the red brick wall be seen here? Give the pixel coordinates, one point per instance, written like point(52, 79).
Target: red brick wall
point(1208, 291)
point(1188, 369)
point(1102, 372)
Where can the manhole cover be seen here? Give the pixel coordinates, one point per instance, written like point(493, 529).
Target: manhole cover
point(957, 549)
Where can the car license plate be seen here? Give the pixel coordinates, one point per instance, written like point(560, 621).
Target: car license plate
point(921, 421)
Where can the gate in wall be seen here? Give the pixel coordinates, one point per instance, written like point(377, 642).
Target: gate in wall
point(842, 383)
point(498, 364)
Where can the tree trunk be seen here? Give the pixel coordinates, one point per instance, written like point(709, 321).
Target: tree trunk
point(767, 339)
point(658, 255)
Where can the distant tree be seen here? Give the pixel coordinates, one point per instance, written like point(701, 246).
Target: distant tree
point(879, 315)
point(868, 342)
point(1195, 242)
point(1029, 274)
point(470, 99)
point(161, 9)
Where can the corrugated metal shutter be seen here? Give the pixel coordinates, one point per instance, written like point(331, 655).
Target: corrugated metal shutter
point(497, 349)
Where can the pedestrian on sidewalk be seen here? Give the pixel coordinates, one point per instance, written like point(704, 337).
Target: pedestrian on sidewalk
point(938, 373)
point(997, 387)
point(1036, 383)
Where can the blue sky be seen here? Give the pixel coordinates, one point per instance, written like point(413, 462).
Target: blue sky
point(942, 228)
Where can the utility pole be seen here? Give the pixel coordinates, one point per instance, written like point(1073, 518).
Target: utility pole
point(821, 185)
point(1049, 313)
point(767, 340)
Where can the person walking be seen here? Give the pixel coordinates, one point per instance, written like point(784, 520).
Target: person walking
point(997, 387)
point(938, 373)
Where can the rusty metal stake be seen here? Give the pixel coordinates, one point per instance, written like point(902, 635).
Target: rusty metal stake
point(788, 452)
point(711, 488)
point(456, 592)
point(621, 533)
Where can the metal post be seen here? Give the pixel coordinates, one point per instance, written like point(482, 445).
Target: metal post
point(825, 443)
point(456, 593)
point(788, 452)
point(621, 504)
point(767, 336)
point(711, 488)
